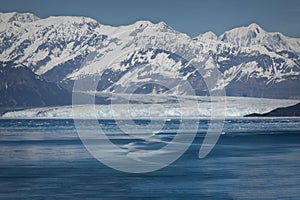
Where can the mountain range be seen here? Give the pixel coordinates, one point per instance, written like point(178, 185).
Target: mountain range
point(252, 62)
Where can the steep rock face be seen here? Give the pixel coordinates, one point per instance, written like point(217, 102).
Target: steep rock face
point(252, 61)
point(20, 88)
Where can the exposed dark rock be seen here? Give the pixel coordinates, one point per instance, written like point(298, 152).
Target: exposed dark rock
point(290, 111)
point(21, 88)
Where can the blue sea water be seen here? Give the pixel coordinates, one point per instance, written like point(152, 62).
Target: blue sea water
point(255, 158)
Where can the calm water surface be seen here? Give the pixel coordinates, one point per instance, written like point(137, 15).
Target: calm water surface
point(253, 159)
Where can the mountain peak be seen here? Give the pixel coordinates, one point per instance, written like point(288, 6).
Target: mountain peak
point(143, 23)
point(253, 34)
point(209, 35)
point(160, 26)
point(245, 35)
point(164, 26)
point(252, 30)
point(254, 26)
point(20, 17)
point(70, 19)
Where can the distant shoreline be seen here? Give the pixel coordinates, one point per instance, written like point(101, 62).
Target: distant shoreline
point(290, 111)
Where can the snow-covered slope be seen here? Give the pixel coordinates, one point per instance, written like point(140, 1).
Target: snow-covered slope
point(64, 49)
point(255, 35)
point(49, 43)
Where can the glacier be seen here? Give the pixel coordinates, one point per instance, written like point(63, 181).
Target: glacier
point(164, 108)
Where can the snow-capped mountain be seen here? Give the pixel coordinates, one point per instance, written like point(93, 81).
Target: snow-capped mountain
point(252, 61)
point(255, 35)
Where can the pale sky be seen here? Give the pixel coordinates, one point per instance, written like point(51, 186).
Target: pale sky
point(189, 16)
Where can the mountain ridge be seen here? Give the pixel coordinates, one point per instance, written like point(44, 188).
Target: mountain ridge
point(21, 88)
point(289, 111)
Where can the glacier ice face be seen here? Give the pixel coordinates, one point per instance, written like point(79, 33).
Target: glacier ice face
point(190, 107)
